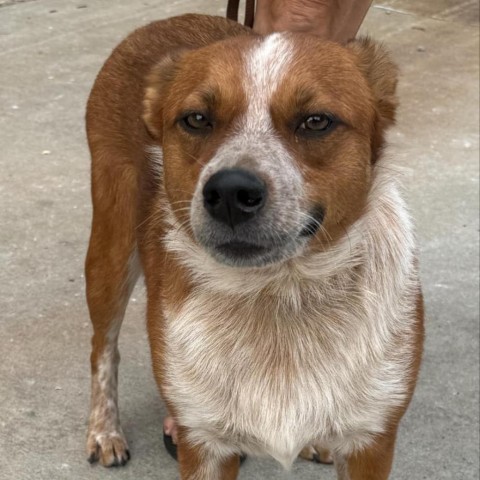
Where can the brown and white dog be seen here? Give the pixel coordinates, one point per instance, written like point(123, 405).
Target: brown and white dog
point(244, 176)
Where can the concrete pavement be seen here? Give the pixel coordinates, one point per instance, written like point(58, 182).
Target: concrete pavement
point(50, 52)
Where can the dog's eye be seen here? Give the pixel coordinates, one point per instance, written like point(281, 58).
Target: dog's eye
point(196, 122)
point(317, 124)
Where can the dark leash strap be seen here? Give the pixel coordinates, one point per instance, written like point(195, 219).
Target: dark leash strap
point(232, 11)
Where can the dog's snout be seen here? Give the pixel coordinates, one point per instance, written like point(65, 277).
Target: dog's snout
point(233, 196)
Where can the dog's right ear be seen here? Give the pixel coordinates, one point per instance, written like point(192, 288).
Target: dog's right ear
point(157, 84)
point(381, 74)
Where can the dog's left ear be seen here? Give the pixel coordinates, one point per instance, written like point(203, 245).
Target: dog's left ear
point(381, 74)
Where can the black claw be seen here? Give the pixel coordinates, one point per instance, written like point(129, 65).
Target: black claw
point(316, 458)
point(120, 461)
point(92, 458)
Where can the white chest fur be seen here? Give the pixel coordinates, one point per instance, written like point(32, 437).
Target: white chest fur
point(269, 361)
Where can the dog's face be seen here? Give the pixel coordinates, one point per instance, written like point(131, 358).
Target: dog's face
point(268, 143)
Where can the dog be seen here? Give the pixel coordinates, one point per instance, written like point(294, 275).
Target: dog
point(245, 177)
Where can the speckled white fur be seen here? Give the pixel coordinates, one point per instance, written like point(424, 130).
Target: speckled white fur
point(104, 423)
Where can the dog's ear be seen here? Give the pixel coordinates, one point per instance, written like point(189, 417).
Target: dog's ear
point(157, 84)
point(381, 74)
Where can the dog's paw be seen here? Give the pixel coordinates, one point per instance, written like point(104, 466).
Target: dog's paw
point(316, 453)
point(110, 449)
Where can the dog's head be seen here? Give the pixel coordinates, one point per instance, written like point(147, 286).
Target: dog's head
point(269, 142)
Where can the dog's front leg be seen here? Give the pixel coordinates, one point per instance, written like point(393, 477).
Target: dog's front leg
point(371, 463)
point(204, 462)
point(112, 269)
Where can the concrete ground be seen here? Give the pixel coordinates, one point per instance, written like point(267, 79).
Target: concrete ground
point(50, 51)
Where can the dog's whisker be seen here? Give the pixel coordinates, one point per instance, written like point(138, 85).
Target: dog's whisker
point(147, 219)
point(196, 159)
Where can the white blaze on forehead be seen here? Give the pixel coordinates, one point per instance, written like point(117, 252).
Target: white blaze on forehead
point(266, 66)
point(254, 144)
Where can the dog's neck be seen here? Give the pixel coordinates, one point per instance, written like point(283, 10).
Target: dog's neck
point(381, 242)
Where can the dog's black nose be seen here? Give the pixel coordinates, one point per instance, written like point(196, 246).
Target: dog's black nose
point(233, 196)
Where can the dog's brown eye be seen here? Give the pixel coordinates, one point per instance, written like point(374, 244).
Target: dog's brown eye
point(196, 122)
point(316, 123)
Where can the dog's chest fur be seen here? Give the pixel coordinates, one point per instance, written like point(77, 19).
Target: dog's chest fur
point(266, 362)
